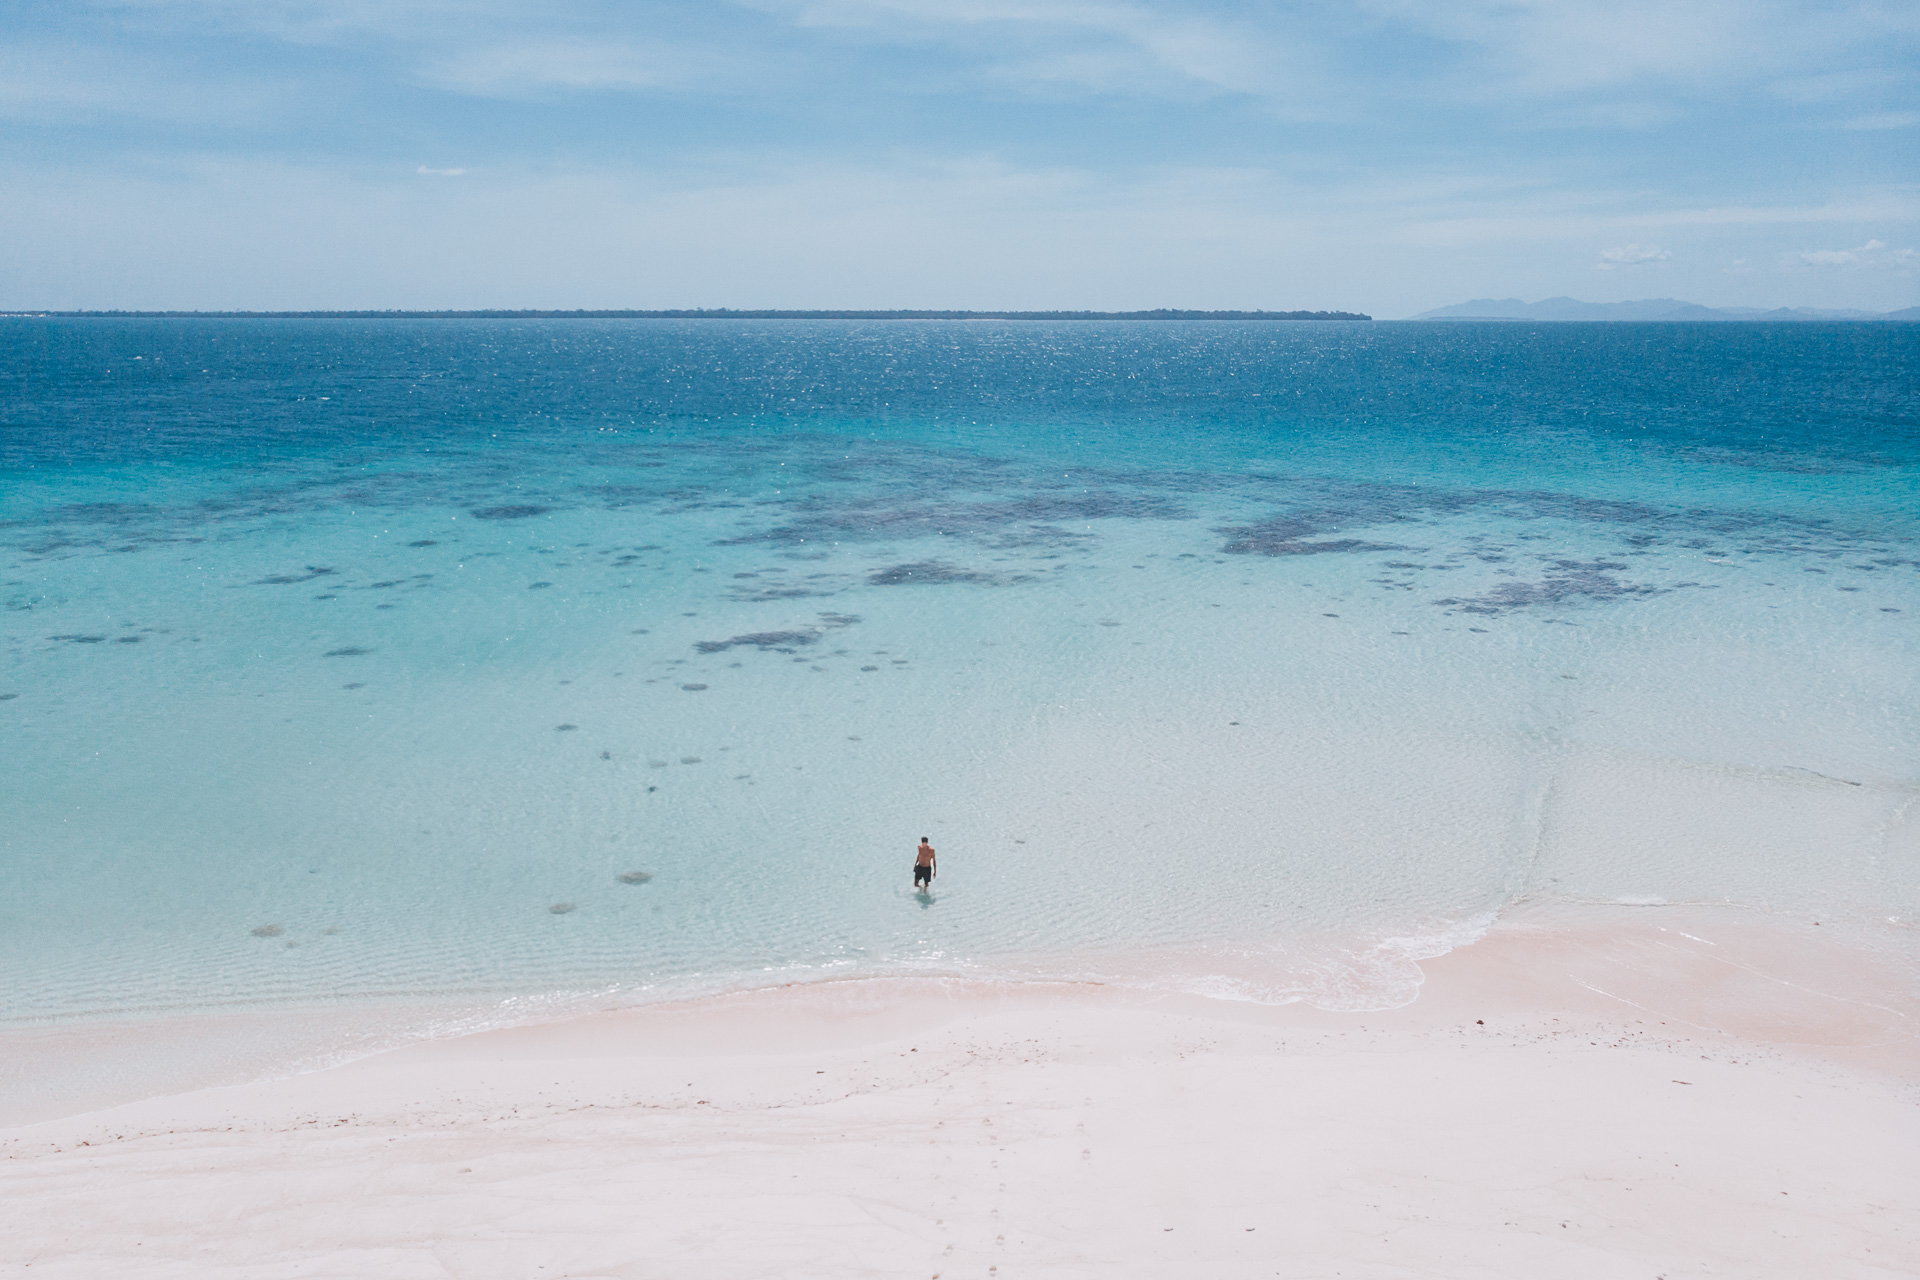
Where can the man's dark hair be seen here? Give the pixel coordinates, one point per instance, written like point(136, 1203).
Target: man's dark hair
point(923, 840)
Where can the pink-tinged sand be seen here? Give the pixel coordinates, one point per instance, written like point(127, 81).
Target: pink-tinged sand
point(1650, 1095)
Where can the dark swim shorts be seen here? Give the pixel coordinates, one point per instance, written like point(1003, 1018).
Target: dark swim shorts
point(923, 875)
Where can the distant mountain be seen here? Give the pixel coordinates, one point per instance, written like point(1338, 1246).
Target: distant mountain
point(1646, 309)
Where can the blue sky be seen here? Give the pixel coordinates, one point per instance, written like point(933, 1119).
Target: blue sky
point(1384, 155)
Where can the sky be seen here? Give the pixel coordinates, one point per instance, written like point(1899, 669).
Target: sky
point(1385, 156)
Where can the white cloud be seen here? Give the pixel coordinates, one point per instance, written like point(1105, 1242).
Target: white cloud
point(1098, 46)
point(1631, 255)
point(1886, 120)
point(1560, 46)
point(522, 69)
point(1883, 204)
point(440, 173)
point(68, 83)
point(332, 23)
point(1637, 60)
point(1633, 65)
point(1874, 253)
point(1839, 257)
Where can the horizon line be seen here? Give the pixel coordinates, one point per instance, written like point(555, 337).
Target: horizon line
point(688, 313)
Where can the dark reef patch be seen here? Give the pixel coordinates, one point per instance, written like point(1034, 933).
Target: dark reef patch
point(1253, 542)
point(1565, 580)
point(1020, 521)
point(1314, 509)
point(423, 542)
point(925, 573)
point(783, 641)
point(521, 512)
point(1038, 535)
point(283, 579)
point(752, 594)
point(634, 877)
point(351, 651)
point(77, 639)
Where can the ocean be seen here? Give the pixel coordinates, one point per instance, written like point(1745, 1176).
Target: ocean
point(504, 667)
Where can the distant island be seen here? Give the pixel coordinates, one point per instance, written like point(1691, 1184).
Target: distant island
point(1646, 309)
point(709, 313)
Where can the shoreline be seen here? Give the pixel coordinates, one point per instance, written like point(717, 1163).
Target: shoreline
point(1598, 1097)
point(56, 1068)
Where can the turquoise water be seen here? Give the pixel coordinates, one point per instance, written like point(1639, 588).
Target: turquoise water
point(361, 660)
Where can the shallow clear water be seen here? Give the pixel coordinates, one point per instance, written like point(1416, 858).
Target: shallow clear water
point(336, 656)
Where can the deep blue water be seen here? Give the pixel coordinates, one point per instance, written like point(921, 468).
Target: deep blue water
point(101, 393)
point(336, 657)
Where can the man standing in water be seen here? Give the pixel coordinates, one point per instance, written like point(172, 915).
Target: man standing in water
point(923, 865)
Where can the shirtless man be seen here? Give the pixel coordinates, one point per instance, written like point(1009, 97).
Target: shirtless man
point(923, 865)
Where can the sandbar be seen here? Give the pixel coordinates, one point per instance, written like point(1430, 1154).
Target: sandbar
point(1608, 1094)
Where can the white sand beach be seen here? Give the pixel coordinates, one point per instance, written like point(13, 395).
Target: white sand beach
point(1622, 1094)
